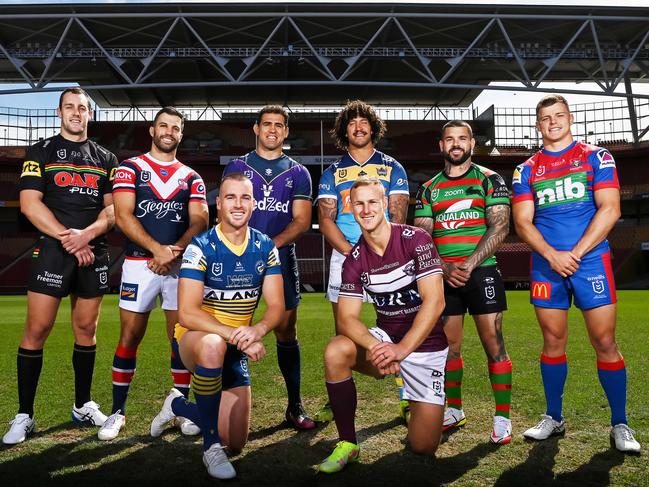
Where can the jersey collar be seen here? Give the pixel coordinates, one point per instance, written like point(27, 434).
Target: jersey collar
point(561, 152)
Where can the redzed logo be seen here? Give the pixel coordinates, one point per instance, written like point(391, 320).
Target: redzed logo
point(541, 290)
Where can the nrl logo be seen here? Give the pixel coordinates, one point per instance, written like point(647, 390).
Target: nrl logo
point(598, 286)
point(342, 173)
point(540, 171)
point(248, 174)
point(217, 268)
point(490, 292)
point(434, 194)
point(62, 153)
point(146, 176)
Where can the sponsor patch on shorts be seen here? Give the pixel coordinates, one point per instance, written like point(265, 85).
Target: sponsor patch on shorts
point(541, 290)
point(128, 292)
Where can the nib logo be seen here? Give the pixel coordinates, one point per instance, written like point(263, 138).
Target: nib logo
point(455, 215)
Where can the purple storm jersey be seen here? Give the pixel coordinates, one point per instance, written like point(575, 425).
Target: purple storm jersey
point(276, 184)
point(391, 281)
point(562, 186)
point(162, 191)
point(337, 180)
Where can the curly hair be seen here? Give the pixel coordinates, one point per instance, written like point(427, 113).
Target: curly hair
point(353, 109)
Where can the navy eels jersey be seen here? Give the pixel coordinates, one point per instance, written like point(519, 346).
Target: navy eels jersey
point(163, 191)
point(73, 177)
point(233, 275)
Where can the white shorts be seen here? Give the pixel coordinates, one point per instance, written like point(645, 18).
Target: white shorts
point(422, 373)
point(336, 277)
point(140, 287)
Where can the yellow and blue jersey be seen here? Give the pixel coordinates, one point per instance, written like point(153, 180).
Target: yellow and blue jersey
point(232, 274)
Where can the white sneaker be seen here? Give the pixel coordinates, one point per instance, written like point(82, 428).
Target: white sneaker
point(502, 433)
point(187, 426)
point(21, 426)
point(166, 414)
point(453, 418)
point(217, 463)
point(88, 414)
point(622, 437)
point(111, 426)
point(547, 427)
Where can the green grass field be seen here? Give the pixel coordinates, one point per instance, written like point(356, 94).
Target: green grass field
point(61, 453)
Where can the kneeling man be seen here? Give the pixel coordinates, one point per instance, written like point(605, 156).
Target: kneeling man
point(223, 273)
point(398, 266)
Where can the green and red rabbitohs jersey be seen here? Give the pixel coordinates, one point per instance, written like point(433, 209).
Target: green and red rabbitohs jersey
point(457, 206)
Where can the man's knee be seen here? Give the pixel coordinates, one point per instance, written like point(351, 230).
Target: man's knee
point(339, 351)
point(426, 446)
point(211, 351)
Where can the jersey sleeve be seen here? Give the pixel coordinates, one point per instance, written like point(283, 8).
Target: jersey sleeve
point(197, 189)
point(351, 285)
point(327, 185)
point(125, 178)
point(496, 192)
point(521, 190)
point(398, 180)
point(303, 190)
point(424, 253)
point(32, 175)
point(423, 207)
point(194, 263)
point(272, 259)
point(604, 170)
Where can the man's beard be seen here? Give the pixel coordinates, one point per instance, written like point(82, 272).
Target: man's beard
point(457, 162)
point(166, 149)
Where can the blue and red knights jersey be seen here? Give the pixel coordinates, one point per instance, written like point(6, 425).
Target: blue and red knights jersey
point(276, 183)
point(162, 191)
point(562, 185)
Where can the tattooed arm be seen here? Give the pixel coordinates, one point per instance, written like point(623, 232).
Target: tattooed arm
point(327, 211)
point(398, 207)
point(426, 223)
point(497, 229)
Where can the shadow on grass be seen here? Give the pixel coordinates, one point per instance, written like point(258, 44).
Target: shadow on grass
point(596, 472)
point(537, 469)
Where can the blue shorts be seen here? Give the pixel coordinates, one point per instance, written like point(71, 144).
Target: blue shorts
point(235, 369)
point(291, 276)
point(591, 286)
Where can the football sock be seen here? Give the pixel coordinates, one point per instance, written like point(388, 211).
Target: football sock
point(123, 371)
point(500, 375)
point(554, 371)
point(612, 376)
point(342, 397)
point(29, 364)
point(207, 385)
point(83, 362)
point(182, 407)
point(180, 375)
point(453, 382)
point(288, 359)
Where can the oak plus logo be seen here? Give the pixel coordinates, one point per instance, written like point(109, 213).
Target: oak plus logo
point(457, 214)
point(563, 190)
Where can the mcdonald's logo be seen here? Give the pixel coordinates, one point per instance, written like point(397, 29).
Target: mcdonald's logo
point(541, 290)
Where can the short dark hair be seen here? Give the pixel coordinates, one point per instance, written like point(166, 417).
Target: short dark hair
point(457, 123)
point(549, 100)
point(280, 110)
point(76, 91)
point(170, 111)
point(353, 109)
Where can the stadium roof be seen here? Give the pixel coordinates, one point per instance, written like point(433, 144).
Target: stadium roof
point(313, 53)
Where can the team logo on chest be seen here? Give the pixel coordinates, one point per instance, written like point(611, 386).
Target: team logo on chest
point(145, 176)
point(434, 194)
point(381, 172)
point(540, 170)
point(182, 184)
point(217, 269)
point(62, 153)
point(248, 174)
point(342, 173)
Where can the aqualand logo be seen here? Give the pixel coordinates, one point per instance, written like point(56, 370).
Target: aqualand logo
point(455, 215)
point(541, 290)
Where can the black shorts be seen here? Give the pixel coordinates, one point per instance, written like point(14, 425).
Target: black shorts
point(483, 294)
point(291, 275)
point(56, 273)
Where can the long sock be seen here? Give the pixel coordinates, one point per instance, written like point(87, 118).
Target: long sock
point(554, 371)
point(342, 397)
point(453, 382)
point(207, 386)
point(29, 364)
point(123, 371)
point(182, 407)
point(612, 376)
point(83, 362)
point(500, 375)
point(288, 359)
point(179, 373)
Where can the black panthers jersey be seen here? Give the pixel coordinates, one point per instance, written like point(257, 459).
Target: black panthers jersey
point(73, 177)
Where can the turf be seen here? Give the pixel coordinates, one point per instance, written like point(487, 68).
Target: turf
point(61, 453)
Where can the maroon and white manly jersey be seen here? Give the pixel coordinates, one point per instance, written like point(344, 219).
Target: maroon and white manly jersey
point(162, 191)
point(391, 281)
